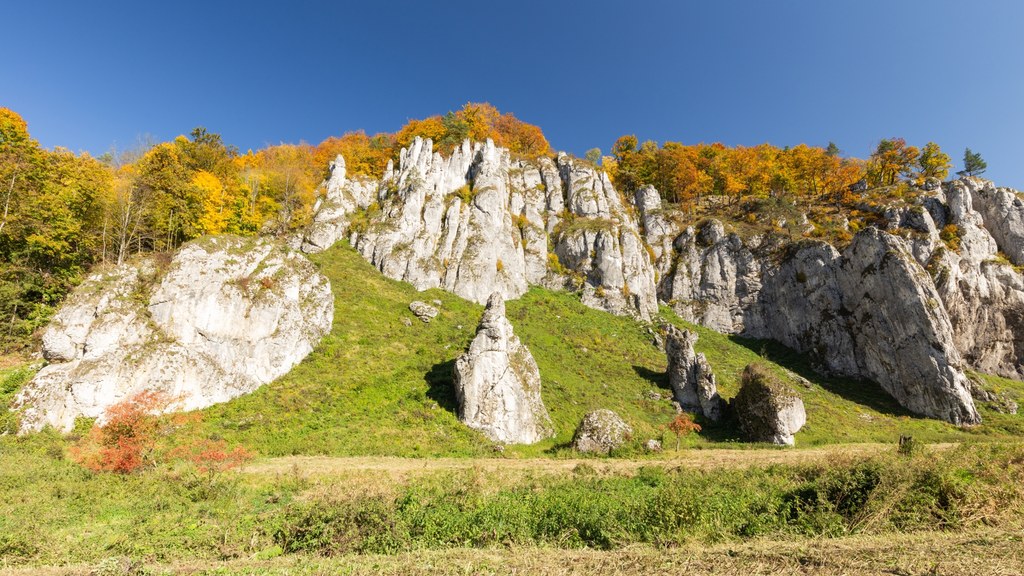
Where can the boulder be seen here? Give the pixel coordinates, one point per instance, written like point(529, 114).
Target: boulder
point(690, 375)
point(225, 316)
point(497, 383)
point(767, 410)
point(423, 311)
point(601, 431)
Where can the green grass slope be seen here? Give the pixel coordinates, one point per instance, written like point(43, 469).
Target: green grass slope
point(377, 386)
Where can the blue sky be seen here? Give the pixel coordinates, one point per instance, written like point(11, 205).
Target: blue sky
point(90, 75)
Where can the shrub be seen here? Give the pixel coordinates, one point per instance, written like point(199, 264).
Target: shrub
point(134, 438)
point(127, 441)
point(212, 457)
point(951, 235)
point(908, 446)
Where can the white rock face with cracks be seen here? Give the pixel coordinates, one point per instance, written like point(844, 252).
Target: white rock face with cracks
point(225, 317)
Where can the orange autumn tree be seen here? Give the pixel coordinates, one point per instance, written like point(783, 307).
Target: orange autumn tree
point(475, 122)
point(682, 425)
point(687, 175)
point(891, 159)
point(364, 155)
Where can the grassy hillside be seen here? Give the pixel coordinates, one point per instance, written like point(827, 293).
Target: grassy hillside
point(377, 386)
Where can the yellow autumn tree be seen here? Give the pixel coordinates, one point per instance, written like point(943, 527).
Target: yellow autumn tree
point(932, 163)
point(216, 212)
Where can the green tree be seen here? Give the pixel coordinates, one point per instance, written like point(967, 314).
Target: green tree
point(593, 156)
point(50, 227)
point(973, 164)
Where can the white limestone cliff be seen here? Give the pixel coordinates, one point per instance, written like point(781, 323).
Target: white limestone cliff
point(225, 317)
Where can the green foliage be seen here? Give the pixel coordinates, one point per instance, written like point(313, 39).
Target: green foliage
point(661, 507)
point(973, 164)
point(11, 381)
point(376, 386)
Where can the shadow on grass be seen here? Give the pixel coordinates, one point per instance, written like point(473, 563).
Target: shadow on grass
point(441, 385)
point(659, 379)
point(863, 392)
point(728, 430)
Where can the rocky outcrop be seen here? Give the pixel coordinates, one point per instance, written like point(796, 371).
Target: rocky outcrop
point(715, 277)
point(980, 288)
point(332, 212)
point(767, 410)
point(224, 317)
point(479, 221)
point(870, 312)
point(601, 431)
point(690, 375)
point(497, 383)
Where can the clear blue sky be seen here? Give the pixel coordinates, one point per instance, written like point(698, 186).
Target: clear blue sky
point(89, 75)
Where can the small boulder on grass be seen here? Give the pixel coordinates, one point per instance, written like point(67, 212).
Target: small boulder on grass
point(767, 409)
point(423, 311)
point(601, 431)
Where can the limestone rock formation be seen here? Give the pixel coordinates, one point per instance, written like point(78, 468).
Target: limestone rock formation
point(766, 409)
point(226, 316)
point(690, 375)
point(980, 288)
point(497, 383)
point(870, 312)
point(478, 222)
point(331, 214)
point(601, 431)
point(902, 305)
point(714, 278)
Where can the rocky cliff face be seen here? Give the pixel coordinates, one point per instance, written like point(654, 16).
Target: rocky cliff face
point(897, 306)
point(980, 284)
point(480, 221)
point(224, 317)
point(870, 311)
